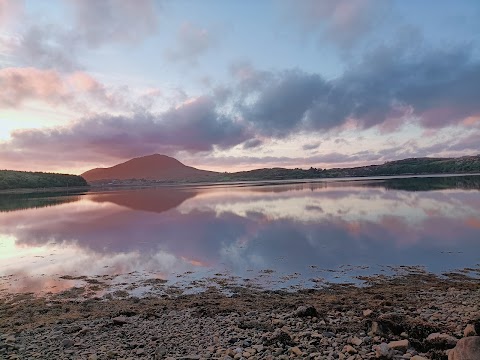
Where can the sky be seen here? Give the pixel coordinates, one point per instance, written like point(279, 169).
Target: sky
point(236, 85)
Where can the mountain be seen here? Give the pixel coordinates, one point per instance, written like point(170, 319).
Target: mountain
point(152, 168)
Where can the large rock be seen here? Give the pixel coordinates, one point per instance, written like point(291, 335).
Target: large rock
point(466, 349)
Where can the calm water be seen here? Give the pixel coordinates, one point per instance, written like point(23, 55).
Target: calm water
point(273, 236)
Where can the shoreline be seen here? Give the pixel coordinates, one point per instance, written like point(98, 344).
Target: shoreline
point(337, 322)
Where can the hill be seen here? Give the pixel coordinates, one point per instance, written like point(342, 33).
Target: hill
point(10, 179)
point(150, 168)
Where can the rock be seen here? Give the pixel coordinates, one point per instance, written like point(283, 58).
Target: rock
point(469, 331)
point(367, 312)
point(295, 350)
point(441, 340)
point(375, 329)
point(401, 345)
point(466, 349)
point(382, 351)
point(304, 311)
point(349, 349)
point(10, 339)
point(355, 341)
point(418, 357)
point(119, 320)
point(66, 343)
point(160, 352)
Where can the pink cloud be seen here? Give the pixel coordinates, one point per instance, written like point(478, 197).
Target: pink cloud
point(79, 90)
point(22, 84)
point(84, 82)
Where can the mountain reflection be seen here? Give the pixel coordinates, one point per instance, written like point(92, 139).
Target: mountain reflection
point(287, 228)
point(154, 200)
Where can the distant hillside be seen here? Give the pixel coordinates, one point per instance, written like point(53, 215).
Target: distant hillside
point(151, 168)
point(10, 179)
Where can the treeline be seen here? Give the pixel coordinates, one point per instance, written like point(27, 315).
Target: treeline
point(10, 179)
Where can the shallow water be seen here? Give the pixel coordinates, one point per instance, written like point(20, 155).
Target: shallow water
point(277, 236)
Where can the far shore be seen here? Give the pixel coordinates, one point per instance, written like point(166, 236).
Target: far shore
point(267, 182)
point(152, 184)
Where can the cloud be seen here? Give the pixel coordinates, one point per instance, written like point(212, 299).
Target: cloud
point(48, 46)
point(195, 126)
point(192, 41)
point(281, 106)
point(121, 21)
point(312, 146)
point(22, 85)
point(10, 10)
point(469, 142)
point(334, 158)
point(252, 143)
point(94, 24)
point(342, 22)
point(435, 89)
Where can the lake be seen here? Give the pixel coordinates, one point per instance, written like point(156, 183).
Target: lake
point(280, 236)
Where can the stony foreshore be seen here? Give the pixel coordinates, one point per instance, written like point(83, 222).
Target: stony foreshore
point(412, 317)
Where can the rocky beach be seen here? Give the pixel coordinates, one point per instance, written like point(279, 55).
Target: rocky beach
point(415, 316)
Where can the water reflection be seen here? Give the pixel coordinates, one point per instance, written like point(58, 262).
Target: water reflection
point(12, 202)
point(302, 230)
